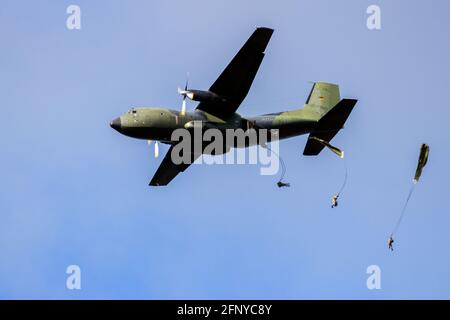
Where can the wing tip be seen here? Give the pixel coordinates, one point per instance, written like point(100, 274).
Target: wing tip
point(310, 154)
point(154, 183)
point(260, 38)
point(265, 29)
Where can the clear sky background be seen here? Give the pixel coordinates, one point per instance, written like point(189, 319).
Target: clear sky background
point(74, 191)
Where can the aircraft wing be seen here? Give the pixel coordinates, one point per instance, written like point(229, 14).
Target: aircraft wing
point(234, 82)
point(168, 170)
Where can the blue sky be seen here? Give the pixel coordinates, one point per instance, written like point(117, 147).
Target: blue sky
point(74, 191)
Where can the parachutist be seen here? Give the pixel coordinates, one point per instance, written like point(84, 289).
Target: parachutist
point(334, 201)
point(281, 184)
point(391, 243)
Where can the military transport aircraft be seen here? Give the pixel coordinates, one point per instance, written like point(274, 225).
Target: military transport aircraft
point(322, 116)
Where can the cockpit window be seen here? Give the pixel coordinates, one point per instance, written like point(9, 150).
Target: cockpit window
point(132, 111)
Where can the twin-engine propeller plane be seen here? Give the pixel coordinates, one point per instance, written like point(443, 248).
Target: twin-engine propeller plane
point(322, 116)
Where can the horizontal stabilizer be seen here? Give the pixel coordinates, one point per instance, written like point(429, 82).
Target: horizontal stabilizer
point(328, 126)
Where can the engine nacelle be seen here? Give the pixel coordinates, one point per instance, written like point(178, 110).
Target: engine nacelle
point(203, 96)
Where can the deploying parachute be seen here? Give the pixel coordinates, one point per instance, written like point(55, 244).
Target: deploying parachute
point(337, 151)
point(423, 158)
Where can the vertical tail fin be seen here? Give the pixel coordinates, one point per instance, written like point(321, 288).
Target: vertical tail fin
point(323, 97)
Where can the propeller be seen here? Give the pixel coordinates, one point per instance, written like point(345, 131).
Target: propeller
point(185, 93)
point(156, 151)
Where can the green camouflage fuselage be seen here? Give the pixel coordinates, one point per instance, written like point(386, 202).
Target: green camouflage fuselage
point(158, 123)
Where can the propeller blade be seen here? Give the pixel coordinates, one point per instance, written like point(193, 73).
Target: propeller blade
point(156, 149)
point(183, 107)
point(187, 82)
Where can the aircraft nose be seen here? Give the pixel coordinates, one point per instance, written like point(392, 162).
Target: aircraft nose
point(116, 124)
